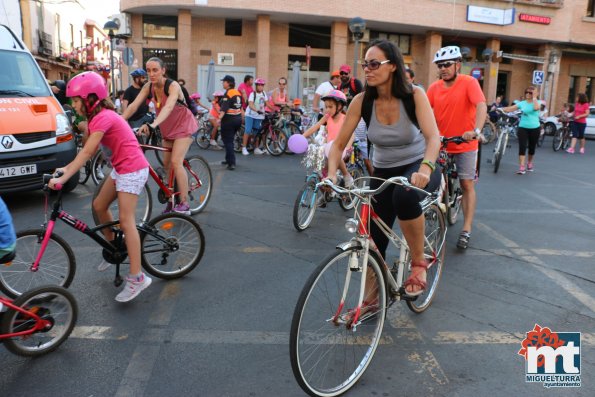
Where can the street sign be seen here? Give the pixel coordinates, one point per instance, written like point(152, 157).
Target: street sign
point(538, 77)
point(476, 73)
point(128, 56)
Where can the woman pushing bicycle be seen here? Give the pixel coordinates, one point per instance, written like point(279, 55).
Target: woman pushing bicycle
point(89, 95)
point(176, 121)
point(392, 108)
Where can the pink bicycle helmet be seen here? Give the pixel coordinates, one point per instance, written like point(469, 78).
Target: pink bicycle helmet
point(218, 93)
point(259, 81)
point(337, 96)
point(195, 96)
point(87, 83)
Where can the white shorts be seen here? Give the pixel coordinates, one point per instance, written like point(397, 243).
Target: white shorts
point(132, 183)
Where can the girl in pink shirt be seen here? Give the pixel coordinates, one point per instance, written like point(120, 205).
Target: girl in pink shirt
point(334, 103)
point(89, 95)
point(578, 127)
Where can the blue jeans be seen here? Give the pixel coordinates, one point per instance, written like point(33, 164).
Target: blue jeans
point(252, 126)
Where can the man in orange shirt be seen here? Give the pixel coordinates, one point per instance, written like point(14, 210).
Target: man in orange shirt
point(460, 109)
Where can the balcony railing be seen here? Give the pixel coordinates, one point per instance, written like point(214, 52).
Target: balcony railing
point(540, 3)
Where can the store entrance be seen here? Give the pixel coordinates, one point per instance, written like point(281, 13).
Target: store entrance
point(502, 85)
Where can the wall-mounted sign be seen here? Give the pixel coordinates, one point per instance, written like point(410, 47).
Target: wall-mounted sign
point(492, 16)
point(535, 19)
point(224, 58)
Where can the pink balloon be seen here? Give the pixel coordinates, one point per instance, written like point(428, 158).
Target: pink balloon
point(327, 148)
point(297, 143)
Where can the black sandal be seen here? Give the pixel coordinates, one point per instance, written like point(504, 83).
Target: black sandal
point(463, 242)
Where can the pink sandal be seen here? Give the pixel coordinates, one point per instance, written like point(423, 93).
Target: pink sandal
point(414, 278)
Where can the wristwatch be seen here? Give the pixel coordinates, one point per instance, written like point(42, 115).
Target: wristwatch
point(477, 131)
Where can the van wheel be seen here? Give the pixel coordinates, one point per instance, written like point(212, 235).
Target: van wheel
point(72, 183)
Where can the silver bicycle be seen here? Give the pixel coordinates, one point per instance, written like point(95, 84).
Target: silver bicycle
point(338, 320)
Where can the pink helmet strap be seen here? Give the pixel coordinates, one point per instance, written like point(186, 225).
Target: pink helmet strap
point(87, 105)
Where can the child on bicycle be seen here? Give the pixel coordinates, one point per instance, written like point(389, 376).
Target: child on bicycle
point(254, 116)
point(214, 118)
point(198, 105)
point(334, 104)
point(297, 112)
point(89, 95)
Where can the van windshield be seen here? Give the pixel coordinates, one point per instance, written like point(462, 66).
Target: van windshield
point(20, 76)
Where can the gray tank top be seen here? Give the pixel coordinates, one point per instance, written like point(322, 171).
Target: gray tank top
point(398, 144)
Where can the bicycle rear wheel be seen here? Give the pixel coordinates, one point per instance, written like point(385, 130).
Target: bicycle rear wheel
point(275, 141)
point(51, 303)
point(200, 183)
point(498, 152)
point(173, 247)
point(435, 233)
point(100, 167)
point(57, 266)
point(304, 207)
point(328, 354)
point(202, 138)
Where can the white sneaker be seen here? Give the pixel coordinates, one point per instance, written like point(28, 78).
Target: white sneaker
point(348, 181)
point(245, 151)
point(103, 266)
point(132, 288)
point(258, 151)
point(213, 142)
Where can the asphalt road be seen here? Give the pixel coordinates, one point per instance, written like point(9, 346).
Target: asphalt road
point(223, 330)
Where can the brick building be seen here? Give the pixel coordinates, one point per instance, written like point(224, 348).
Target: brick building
point(505, 41)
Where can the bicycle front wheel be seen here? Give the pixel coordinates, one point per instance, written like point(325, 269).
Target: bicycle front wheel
point(200, 183)
point(173, 246)
point(558, 140)
point(53, 304)
point(144, 205)
point(57, 265)
point(328, 353)
point(498, 152)
point(202, 138)
point(305, 206)
point(435, 233)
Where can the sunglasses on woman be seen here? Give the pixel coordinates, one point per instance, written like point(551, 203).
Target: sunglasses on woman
point(529, 92)
point(373, 65)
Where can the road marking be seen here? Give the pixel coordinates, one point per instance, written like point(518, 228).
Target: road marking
point(565, 209)
point(256, 250)
point(164, 309)
point(139, 371)
point(429, 364)
point(551, 252)
point(541, 266)
point(198, 336)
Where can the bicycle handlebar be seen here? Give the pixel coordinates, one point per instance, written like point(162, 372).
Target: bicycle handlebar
point(360, 192)
point(47, 177)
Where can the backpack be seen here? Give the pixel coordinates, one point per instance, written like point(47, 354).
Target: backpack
point(187, 101)
point(408, 103)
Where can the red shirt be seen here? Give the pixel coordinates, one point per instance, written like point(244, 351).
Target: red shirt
point(454, 109)
point(581, 108)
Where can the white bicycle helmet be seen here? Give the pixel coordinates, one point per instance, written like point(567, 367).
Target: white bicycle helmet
point(447, 54)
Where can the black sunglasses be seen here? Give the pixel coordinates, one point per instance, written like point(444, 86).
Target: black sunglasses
point(373, 65)
point(529, 92)
point(444, 65)
point(344, 74)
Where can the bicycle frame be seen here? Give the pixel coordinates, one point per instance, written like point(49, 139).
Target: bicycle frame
point(40, 324)
point(364, 241)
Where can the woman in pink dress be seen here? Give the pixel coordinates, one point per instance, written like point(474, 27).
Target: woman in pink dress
point(175, 120)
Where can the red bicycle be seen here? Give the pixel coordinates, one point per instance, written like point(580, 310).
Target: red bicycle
point(38, 321)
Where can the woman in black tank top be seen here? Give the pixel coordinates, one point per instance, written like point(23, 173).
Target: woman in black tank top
point(386, 88)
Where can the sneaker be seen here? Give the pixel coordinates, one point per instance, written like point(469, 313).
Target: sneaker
point(582, 150)
point(231, 167)
point(214, 145)
point(258, 151)
point(132, 288)
point(224, 162)
point(167, 209)
point(100, 174)
point(529, 167)
point(348, 182)
point(182, 208)
point(245, 151)
point(570, 150)
point(103, 266)
point(521, 171)
point(463, 241)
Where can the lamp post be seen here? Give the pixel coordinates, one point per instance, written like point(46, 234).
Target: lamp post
point(110, 26)
point(357, 26)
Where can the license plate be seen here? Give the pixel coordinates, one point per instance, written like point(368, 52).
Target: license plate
point(9, 172)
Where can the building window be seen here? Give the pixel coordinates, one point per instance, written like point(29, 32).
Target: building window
point(160, 27)
point(589, 89)
point(233, 27)
point(591, 8)
point(317, 64)
point(572, 90)
point(403, 41)
point(169, 58)
point(314, 36)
